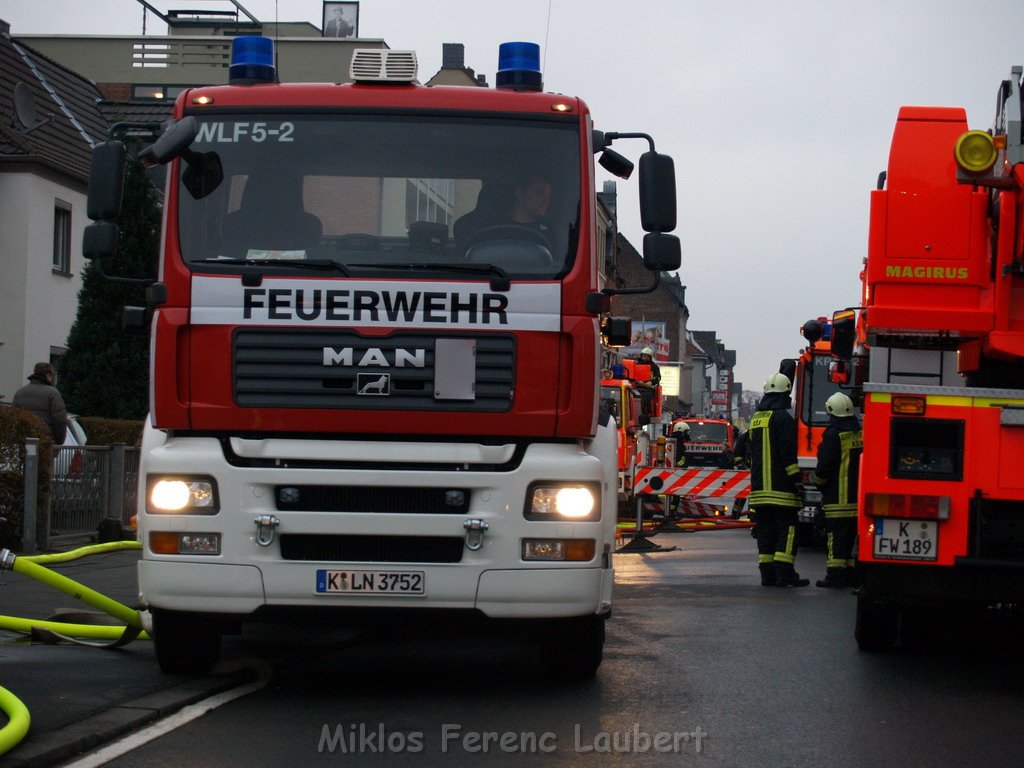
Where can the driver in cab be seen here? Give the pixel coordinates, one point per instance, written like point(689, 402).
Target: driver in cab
point(531, 200)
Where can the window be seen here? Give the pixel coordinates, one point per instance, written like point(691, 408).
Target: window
point(157, 92)
point(62, 237)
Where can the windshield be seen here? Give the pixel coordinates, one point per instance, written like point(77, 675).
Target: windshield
point(361, 194)
point(707, 432)
point(815, 390)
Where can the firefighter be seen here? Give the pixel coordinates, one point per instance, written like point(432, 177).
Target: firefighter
point(838, 467)
point(647, 358)
point(774, 484)
point(681, 436)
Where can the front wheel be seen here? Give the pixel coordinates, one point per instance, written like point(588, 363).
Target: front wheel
point(185, 643)
point(572, 649)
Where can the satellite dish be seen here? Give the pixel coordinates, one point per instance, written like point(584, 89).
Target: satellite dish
point(25, 108)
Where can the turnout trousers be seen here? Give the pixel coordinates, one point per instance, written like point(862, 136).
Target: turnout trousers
point(776, 535)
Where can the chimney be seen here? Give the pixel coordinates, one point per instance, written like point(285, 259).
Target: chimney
point(453, 56)
point(5, 28)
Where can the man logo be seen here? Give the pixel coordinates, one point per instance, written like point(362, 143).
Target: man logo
point(373, 384)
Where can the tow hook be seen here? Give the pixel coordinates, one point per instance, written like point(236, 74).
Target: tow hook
point(265, 525)
point(475, 530)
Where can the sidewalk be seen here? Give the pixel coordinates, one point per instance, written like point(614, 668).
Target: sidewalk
point(81, 697)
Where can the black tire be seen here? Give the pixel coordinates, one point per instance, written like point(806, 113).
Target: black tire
point(572, 649)
point(185, 643)
point(877, 626)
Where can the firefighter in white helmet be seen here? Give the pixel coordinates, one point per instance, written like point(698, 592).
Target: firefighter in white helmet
point(774, 484)
point(681, 436)
point(647, 358)
point(836, 474)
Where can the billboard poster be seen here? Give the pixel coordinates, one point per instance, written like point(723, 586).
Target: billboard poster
point(648, 334)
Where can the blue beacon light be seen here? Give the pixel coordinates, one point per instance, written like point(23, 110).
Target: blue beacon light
point(519, 67)
point(252, 61)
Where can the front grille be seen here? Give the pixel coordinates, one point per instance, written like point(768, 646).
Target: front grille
point(997, 530)
point(372, 549)
point(284, 368)
point(323, 498)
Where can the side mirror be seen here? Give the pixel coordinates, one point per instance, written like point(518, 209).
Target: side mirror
point(106, 181)
point(838, 372)
point(662, 253)
point(617, 331)
point(615, 164)
point(99, 241)
point(172, 143)
point(844, 333)
point(657, 192)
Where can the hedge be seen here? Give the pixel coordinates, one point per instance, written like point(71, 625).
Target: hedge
point(17, 425)
point(102, 431)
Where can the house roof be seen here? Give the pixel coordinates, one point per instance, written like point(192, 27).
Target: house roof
point(66, 101)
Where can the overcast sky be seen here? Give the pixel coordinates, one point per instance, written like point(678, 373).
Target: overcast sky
point(778, 113)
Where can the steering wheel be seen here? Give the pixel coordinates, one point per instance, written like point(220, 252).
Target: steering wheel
point(514, 231)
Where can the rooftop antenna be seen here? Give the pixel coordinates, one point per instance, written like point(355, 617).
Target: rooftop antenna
point(25, 108)
point(547, 30)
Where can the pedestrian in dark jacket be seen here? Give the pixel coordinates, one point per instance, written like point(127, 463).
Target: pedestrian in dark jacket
point(836, 474)
point(42, 398)
point(774, 484)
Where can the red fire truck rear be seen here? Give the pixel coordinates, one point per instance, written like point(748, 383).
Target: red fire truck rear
point(375, 354)
point(941, 512)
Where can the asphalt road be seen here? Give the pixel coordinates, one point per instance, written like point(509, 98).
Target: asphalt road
point(703, 667)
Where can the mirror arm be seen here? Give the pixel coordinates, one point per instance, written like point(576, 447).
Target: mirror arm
point(143, 281)
point(627, 291)
point(133, 128)
point(611, 136)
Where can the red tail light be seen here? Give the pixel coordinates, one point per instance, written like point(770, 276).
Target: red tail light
point(907, 505)
point(75, 467)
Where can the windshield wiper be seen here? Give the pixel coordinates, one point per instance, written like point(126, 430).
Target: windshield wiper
point(500, 281)
point(296, 263)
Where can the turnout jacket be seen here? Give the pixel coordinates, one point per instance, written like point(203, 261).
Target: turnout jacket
point(774, 472)
point(839, 466)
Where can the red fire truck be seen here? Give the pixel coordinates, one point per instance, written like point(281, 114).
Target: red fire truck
point(375, 354)
point(632, 407)
point(941, 507)
point(812, 386)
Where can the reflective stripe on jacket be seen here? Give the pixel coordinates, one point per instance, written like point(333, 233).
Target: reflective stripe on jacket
point(839, 467)
point(774, 471)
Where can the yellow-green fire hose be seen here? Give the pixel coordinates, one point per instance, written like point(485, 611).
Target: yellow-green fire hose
point(17, 714)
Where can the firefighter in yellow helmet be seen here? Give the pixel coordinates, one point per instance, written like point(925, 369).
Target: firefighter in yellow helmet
point(774, 484)
point(836, 474)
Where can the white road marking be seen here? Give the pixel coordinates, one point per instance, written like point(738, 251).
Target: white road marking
point(169, 723)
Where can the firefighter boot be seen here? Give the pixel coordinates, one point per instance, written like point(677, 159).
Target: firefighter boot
point(834, 578)
point(767, 574)
point(786, 576)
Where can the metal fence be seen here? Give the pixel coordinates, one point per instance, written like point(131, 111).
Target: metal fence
point(91, 484)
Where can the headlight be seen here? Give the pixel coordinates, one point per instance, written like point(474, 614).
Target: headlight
point(564, 502)
point(182, 495)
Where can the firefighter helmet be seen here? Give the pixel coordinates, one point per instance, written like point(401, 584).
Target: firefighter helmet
point(680, 427)
point(777, 382)
point(839, 405)
point(646, 351)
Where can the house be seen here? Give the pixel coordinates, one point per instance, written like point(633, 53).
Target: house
point(45, 150)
